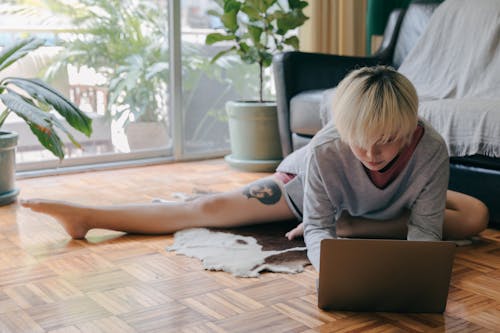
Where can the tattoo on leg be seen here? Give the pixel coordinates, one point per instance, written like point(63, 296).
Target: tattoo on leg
point(265, 190)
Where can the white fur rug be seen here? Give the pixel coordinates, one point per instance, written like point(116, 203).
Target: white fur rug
point(239, 255)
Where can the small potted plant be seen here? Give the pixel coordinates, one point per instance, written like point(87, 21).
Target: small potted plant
point(255, 30)
point(36, 103)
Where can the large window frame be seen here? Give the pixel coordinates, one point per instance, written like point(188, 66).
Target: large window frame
point(147, 157)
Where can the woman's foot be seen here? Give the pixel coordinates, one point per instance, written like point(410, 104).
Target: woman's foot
point(298, 231)
point(70, 216)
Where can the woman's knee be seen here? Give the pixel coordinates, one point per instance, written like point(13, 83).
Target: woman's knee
point(481, 218)
point(467, 216)
point(476, 214)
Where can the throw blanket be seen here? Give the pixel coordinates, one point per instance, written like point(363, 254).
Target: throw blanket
point(455, 67)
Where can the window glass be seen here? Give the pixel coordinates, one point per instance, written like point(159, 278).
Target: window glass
point(208, 86)
point(110, 58)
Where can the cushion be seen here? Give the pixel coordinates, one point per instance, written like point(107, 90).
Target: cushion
point(300, 141)
point(305, 112)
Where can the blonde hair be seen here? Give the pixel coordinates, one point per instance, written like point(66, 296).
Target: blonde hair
point(375, 104)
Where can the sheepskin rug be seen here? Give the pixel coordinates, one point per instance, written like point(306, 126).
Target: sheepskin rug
point(244, 251)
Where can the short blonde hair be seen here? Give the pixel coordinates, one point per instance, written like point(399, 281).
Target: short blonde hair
point(375, 104)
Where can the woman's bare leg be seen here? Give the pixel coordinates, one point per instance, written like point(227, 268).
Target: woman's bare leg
point(259, 202)
point(465, 216)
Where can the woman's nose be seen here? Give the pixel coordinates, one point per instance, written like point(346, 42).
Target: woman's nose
point(372, 152)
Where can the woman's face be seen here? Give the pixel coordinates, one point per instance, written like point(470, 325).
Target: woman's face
point(377, 155)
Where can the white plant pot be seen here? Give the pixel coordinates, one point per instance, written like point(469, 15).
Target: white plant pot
point(254, 135)
point(147, 135)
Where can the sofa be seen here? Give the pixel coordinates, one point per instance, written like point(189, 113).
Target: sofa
point(302, 79)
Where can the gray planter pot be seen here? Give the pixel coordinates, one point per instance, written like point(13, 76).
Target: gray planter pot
point(8, 143)
point(254, 136)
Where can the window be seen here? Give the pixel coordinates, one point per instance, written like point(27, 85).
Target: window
point(139, 68)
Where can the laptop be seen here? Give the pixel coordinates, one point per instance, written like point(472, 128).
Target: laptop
point(385, 275)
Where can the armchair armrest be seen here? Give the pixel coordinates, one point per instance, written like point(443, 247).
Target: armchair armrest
point(295, 72)
point(391, 34)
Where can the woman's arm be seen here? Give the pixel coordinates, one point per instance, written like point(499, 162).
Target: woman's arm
point(427, 212)
point(359, 227)
point(319, 213)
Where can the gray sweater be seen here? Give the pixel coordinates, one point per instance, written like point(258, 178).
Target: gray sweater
point(330, 179)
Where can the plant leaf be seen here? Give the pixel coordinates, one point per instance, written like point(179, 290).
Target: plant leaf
point(42, 127)
point(63, 128)
point(249, 55)
point(27, 111)
point(231, 5)
point(217, 37)
point(251, 11)
point(157, 68)
point(292, 41)
point(3, 116)
point(116, 87)
point(17, 50)
point(49, 139)
point(269, 3)
point(297, 4)
point(261, 5)
point(267, 59)
point(215, 13)
point(221, 53)
point(230, 16)
point(42, 92)
point(290, 20)
point(255, 33)
point(38, 121)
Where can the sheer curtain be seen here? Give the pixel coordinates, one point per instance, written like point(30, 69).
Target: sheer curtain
point(335, 27)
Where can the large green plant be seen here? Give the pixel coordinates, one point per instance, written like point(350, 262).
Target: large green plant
point(256, 29)
point(34, 101)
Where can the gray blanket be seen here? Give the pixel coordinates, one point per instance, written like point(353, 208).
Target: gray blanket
point(455, 67)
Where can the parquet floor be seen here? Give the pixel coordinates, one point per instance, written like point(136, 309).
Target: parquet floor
point(128, 283)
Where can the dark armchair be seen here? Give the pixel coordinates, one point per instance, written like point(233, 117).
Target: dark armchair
point(301, 79)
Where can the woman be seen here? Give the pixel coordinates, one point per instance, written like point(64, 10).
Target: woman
point(376, 171)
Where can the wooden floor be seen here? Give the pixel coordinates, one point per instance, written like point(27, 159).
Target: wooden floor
point(127, 283)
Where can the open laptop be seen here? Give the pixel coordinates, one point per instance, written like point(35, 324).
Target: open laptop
point(384, 275)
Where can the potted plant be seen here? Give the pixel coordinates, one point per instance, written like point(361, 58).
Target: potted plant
point(35, 102)
point(255, 30)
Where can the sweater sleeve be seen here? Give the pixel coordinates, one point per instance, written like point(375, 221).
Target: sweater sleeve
point(427, 212)
point(319, 213)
